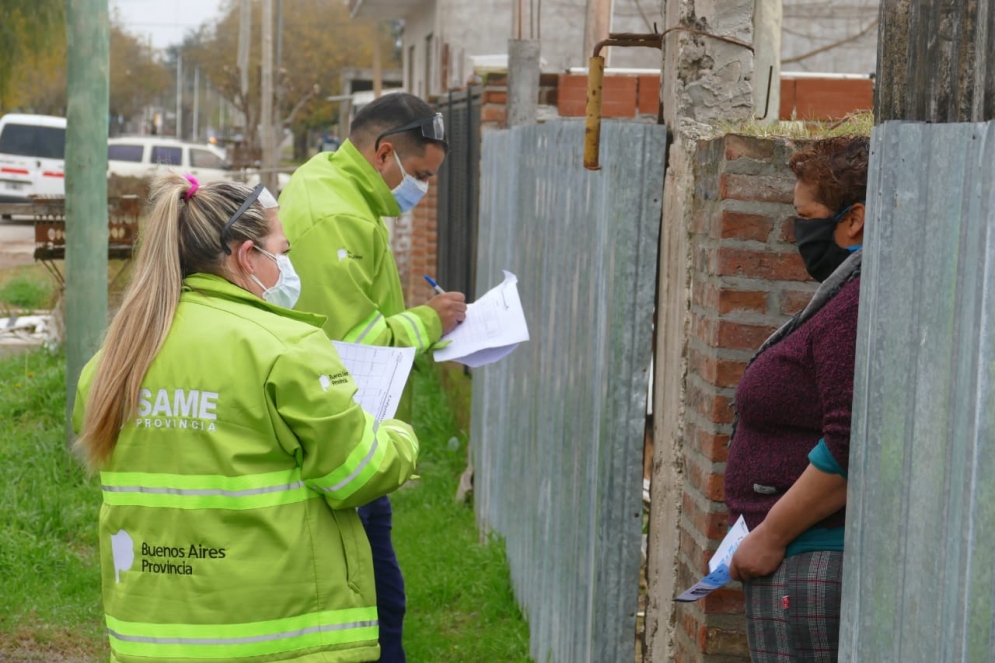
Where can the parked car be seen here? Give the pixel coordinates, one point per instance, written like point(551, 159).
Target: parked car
point(32, 149)
point(142, 156)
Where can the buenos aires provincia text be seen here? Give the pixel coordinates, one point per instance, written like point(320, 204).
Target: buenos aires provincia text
point(175, 560)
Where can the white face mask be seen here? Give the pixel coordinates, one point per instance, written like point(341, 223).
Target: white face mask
point(287, 288)
point(410, 191)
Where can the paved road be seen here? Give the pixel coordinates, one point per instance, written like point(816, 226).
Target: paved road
point(17, 243)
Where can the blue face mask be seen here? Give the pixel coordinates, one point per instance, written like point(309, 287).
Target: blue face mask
point(287, 288)
point(410, 191)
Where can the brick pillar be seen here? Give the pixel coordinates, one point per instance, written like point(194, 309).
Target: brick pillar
point(747, 279)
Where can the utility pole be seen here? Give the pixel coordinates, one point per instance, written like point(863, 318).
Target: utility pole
point(268, 175)
point(597, 25)
point(523, 68)
point(196, 102)
point(179, 97)
point(377, 66)
point(88, 90)
point(767, 20)
point(244, 36)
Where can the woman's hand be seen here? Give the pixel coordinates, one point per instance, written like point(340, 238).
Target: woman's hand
point(758, 555)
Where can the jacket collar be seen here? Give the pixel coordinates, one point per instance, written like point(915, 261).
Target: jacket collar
point(211, 285)
point(348, 160)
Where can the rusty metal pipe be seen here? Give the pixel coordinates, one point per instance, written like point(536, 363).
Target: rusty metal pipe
point(592, 127)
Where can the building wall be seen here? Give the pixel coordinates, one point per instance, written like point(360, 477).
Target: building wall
point(850, 24)
point(460, 29)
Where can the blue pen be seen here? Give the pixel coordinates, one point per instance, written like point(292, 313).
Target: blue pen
point(435, 286)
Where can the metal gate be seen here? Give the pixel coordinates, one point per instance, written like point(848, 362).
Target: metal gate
point(459, 191)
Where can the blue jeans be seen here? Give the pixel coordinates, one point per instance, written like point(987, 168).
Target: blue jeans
point(376, 517)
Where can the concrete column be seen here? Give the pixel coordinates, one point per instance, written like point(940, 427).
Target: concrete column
point(767, 15)
point(523, 81)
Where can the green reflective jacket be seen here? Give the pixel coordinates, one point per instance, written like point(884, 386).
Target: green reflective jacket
point(332, 211)
point(227, 530)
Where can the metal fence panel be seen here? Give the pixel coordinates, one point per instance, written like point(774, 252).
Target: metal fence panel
point(919, 572)
point(458, 197)
point(557, 428)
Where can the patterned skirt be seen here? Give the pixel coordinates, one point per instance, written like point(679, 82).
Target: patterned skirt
point(794, 614)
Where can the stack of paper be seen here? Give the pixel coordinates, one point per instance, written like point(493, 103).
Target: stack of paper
point(494, 326)
point(718, 565)
point(380, 374)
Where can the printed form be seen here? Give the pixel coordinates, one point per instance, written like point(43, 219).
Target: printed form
point(380, 374)
point(718, 565)
point(493, 328)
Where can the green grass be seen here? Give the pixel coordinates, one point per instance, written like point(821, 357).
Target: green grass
point(27, 293)
point(49, 569)
point(460, 605)
point(859, 124)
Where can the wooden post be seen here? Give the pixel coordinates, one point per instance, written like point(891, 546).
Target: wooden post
point(88, 89)
point(935, 62)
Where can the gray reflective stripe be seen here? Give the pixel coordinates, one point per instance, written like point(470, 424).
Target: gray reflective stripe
point(407, 316)
point(241, 641)
point(369, 327)
point(359, 468)
point(200, 492)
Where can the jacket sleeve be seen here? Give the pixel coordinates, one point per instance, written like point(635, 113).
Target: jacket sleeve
point(340, 261)
point(343, 454)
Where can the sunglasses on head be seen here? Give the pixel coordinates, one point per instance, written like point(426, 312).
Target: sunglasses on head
point(432, 128)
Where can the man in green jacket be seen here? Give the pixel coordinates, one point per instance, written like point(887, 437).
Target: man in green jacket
point(332, 212)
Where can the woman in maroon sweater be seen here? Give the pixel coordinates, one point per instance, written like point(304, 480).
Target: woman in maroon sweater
point(789, 453)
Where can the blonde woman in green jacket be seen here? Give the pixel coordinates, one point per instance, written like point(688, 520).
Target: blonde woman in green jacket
point(230, 451)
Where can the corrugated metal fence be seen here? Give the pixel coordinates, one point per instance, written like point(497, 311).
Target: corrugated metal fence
point(919, 574)
point(557, 428)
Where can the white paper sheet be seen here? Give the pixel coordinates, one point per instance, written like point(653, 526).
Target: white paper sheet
point(493, 328)
point(380, 374)
point(718, 565)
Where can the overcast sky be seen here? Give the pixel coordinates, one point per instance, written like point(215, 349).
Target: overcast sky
point(166, 21)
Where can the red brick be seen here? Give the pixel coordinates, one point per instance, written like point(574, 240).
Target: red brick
point(571, 95)
point(718, 372)
point(739, 225)
point(759, 188)
point(742, 300)
point(714, 446)
point(726, 642)
point(711, 485)
point(792, 301)
point(830, 99)
point(741, 336)
point(724, 602)
point(619, 98)
point(750, 147)
point(767, 265)
point(649, 95)
point(787, 232)
point(495, 97)
point(713, 524)
point(787, 99)
point(701, 221)
point(493, 113)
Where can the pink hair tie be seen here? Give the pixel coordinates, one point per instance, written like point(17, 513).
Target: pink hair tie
point(194, 185)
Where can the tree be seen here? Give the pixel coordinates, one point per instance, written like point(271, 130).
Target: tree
point(28, 28)
point(319, 40)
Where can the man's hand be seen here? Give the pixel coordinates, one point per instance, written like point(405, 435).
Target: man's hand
point(758, 555)
point(451, 308)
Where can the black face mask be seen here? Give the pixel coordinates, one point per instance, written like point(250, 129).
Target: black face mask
point(817, 244)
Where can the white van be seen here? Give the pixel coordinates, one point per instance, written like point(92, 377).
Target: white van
point(32, 149)
point(142, 156)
